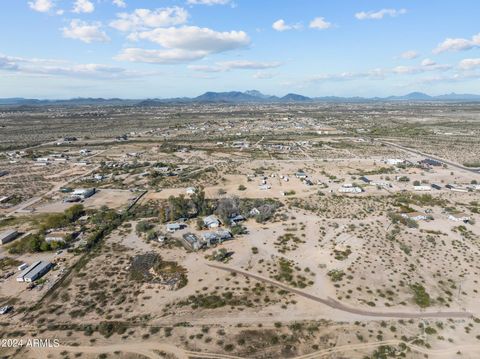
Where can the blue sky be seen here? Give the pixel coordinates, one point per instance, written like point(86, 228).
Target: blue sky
point(169, 48)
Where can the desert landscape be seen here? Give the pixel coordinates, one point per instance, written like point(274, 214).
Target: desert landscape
point(253, 231)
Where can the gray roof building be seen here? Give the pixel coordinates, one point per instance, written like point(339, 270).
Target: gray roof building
point(8, 236)
point(35, 271)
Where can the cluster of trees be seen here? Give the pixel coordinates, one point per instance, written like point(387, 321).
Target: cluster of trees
point(397, 218)
point(225, 208)
point(147, 228)
point(61, 220)
point(186, 207)
point(35, 242)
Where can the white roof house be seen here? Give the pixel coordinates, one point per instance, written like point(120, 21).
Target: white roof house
point(459, 217)
point(173, 227)
point(394, 161)
point(350, 190)
point(211, 222)
point(416, 216)
point(56, 237)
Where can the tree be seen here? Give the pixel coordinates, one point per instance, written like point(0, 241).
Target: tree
point(162, 216)
point(143, 227)
point(227, 207)
point(200, 224)
point(180, 206)
point(199, 201)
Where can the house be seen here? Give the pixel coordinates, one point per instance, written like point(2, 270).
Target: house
point(459, 217)
point(35, 271)
point(416, 216)
point(173, 227)
point(60, 237)
point(381, 184)
point(192, 242)
point(237, 219)
point(5, 199)
point(8, 236)
point(224, 235)
point(22, 266)
point(350, 190)
point(394, 161)
point(211, 238)
point(211, 222)
point(301, 175)
point(84, 193)
point(429, 162)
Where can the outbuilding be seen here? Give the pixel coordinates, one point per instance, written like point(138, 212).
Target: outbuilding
point(8, 236)
point(35, 271)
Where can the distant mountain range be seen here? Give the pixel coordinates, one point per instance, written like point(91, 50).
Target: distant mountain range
point(233, 97)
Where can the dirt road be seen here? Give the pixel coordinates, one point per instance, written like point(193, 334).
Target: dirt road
point(152, 350)
point(332, 303)
point(450, 163)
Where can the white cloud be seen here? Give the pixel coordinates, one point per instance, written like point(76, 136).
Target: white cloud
point(142, 19)
point(83, 6)
point(119, 3)
point(405, 70)
point(428, 62)
point(7, 63)
point(182, 44)
point(41, 5)
point(194, 38)
point(46, 67)
point(86, 32)
point(320, 23)
point(262, 75)
point(469, 64)
point(409, 55)
point(382, 73)
point(208, 2)
point(280, 25)
point(458, 44)
point(378, 15)
point(173, 56)
point(235, 65)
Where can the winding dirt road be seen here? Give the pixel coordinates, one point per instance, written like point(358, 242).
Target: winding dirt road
point(152, 350)
point(332, 303)
point(450, 163)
